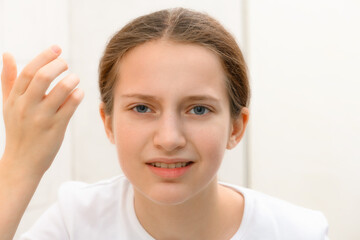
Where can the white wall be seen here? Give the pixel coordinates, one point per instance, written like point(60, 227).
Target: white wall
point(304, 127)
point(304, 59)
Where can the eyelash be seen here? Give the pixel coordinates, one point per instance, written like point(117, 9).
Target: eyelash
point(206, 108)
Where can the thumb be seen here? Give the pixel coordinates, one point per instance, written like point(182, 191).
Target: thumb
point(8, 75)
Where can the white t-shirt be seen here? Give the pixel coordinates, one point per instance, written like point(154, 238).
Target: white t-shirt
point(105, 211)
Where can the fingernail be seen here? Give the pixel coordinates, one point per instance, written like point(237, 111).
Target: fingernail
point(56, 49)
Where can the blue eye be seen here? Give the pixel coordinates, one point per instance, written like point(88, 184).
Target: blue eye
point(200, 110)
point(141, 108)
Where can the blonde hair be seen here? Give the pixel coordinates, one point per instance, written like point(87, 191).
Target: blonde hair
point(182, 26)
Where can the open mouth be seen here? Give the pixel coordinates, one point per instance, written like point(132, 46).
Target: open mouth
point(170, 165)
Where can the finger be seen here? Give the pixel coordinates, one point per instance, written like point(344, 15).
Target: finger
point(60, 92)
point(43, 78)
point(27, 74)
point(66, 110)
point(8, 75)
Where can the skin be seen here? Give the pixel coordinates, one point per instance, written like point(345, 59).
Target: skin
point(169, 127)
point(35, 124)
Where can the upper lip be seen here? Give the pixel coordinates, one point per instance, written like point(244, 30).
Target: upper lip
point(168, 160)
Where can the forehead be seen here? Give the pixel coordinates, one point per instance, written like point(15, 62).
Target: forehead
point(175, 67)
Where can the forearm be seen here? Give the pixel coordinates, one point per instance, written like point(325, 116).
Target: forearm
point(16, 190)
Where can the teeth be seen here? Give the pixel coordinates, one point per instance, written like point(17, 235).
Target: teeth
point(171, 165)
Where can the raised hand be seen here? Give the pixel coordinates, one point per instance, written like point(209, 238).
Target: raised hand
point(35, 123)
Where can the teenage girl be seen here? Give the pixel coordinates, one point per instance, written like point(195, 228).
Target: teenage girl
point(174, 96)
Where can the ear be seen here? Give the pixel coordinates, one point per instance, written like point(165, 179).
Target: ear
point(107, 120)
point(238, 128)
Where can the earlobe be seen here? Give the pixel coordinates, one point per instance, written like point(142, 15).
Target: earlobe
point(238, 128)
point(107, 120)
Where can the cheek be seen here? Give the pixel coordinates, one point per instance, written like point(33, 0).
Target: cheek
point(130, 139)
point(211, 140)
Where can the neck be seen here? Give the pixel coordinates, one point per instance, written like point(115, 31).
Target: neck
point(208, 215)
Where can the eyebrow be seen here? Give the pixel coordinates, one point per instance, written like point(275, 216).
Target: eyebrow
point(154, 98)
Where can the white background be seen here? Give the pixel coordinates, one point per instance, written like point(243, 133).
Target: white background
point(303, 56)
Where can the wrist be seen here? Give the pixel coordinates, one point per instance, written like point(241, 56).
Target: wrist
point(15, 173)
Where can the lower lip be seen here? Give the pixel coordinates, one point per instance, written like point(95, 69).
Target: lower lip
point(169, 173)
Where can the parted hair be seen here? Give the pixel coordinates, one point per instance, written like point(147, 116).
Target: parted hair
point(179, 25)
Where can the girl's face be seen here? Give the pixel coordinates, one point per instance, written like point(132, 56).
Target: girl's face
point(171, 109)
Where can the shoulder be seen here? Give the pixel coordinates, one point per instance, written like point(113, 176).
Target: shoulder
point(102, 189)
point(78, 199)
point(86, 211)
point(281, 218)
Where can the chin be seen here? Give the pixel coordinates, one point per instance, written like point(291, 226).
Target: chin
point(168, 195)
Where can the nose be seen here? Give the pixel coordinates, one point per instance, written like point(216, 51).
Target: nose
point(169, 134)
